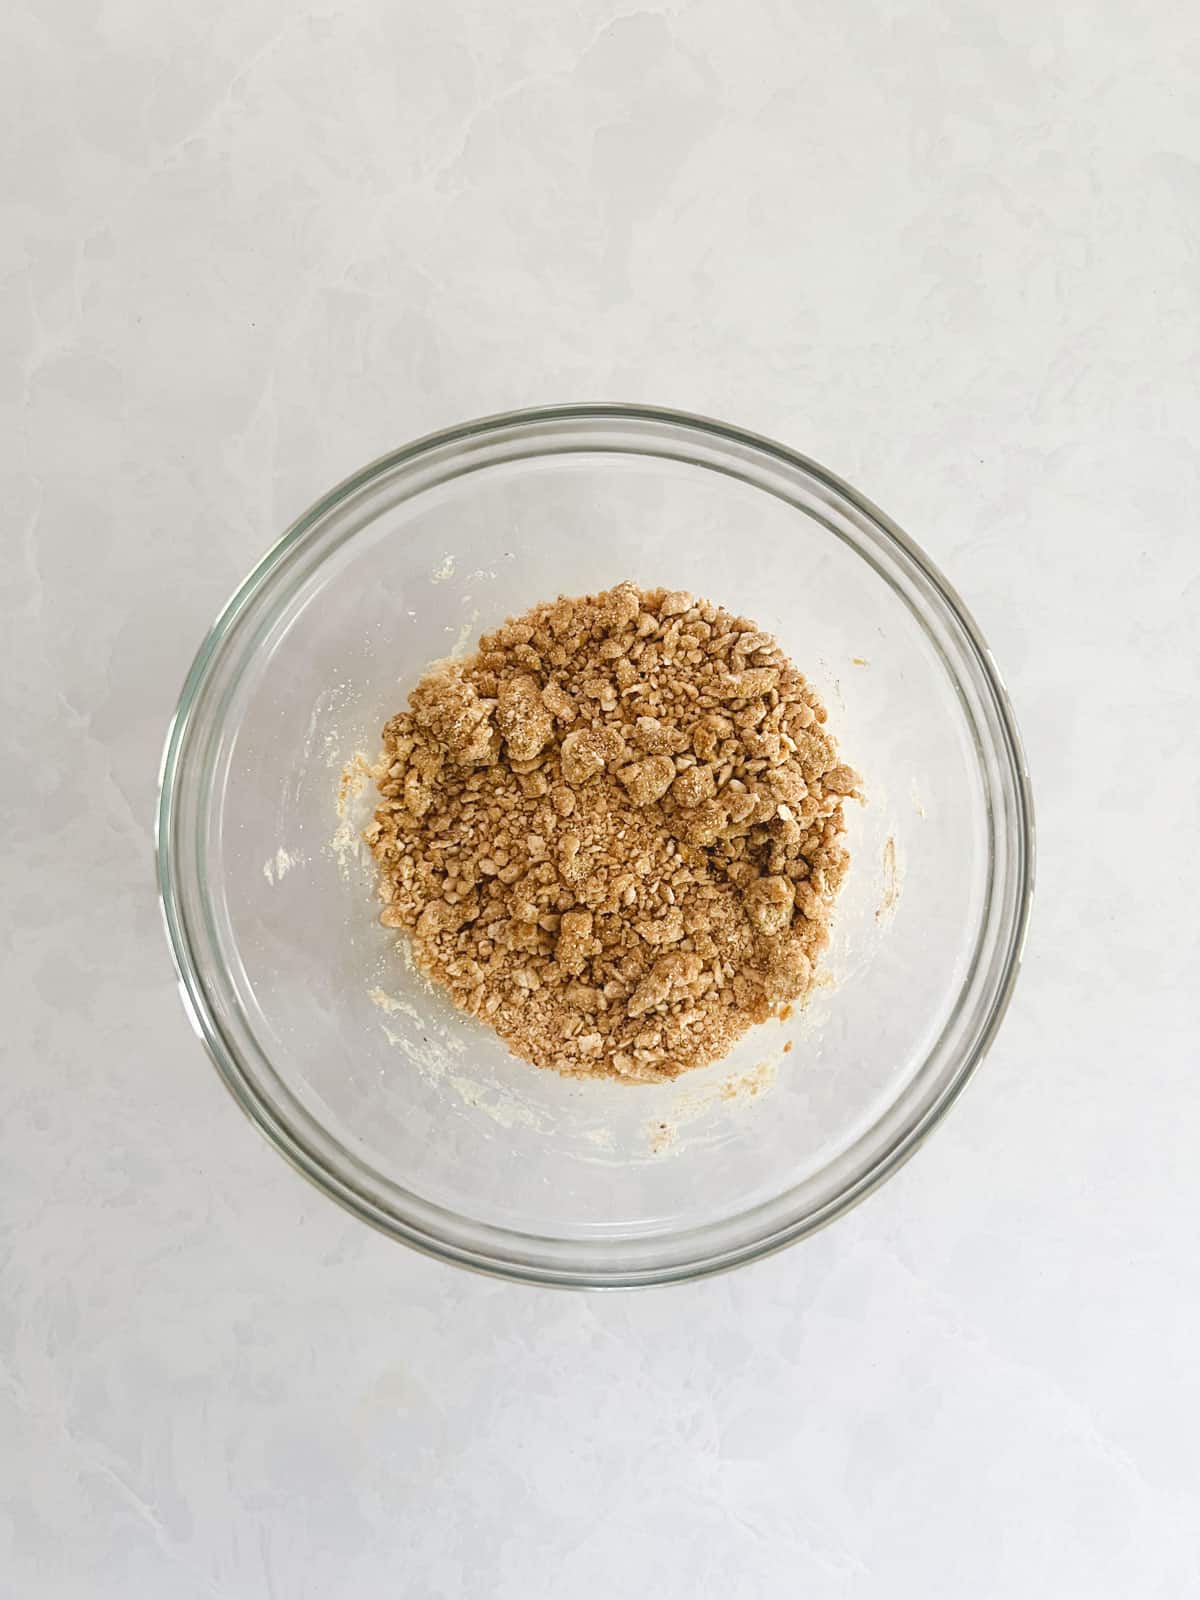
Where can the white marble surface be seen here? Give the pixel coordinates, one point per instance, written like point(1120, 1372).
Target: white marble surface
point(953, 252)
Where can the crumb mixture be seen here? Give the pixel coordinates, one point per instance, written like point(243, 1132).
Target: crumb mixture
point(615, 832)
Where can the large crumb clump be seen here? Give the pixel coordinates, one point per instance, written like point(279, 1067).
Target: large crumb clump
point(615, 832)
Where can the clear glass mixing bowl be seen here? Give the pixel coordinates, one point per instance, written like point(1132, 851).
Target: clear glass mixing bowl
point(415, 1117)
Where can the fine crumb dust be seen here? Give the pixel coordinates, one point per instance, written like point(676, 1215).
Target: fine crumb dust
point(615, 832)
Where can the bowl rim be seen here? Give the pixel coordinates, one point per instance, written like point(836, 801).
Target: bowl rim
point(198, 1006)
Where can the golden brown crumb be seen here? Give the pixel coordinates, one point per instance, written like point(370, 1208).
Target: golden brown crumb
point(615, 832)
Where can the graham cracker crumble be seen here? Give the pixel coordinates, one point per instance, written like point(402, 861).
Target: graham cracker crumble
point(615, 832)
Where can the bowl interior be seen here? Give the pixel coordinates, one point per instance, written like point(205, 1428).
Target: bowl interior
point(422, 1110)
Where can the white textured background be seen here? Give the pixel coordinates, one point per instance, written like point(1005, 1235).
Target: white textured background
point(951, 250)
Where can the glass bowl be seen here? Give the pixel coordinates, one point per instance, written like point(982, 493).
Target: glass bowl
point(415, 1117)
